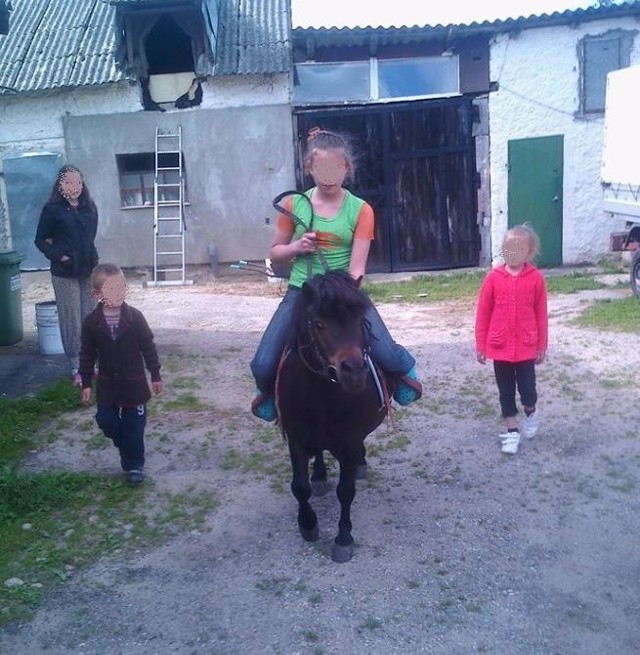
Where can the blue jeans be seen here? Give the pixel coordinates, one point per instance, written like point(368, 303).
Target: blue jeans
point(125, 427)
point(390, 356)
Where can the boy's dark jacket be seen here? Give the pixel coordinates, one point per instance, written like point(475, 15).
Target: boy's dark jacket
point(121, 378)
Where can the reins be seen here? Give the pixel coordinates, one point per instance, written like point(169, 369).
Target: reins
point(298, 221)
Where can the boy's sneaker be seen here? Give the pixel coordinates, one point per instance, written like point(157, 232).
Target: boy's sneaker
point(530, 425)
point(135, 477)
point(264, 407)
point(510, 442)
point(408, 388)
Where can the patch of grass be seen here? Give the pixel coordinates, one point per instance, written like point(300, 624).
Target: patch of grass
point(20, 418)
point(186, 510)
point(311, 636)
point(315, 598)
point(52, 523)
point(185, 383)
point(620, 482)
point(393, 441)
point(427, 288)
point(609, 265)
point(372, 623)
point(459, 286)
point(572, 283)
point(276, 584)
point(183, 401)
point(619, 315)
point(234, 459)
point(56, 522)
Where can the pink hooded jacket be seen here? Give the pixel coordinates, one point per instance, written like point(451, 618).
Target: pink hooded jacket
point(511, 317)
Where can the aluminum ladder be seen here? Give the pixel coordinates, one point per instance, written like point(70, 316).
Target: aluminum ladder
point(169, 252)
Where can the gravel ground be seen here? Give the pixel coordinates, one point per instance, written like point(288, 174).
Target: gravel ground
point(459, 548)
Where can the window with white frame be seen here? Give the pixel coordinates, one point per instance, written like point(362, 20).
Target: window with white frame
point(601, 55)
point(376, 80)
point(137, 173)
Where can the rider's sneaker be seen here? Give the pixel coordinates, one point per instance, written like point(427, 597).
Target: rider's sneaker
point(264, 407)
point(408, 388)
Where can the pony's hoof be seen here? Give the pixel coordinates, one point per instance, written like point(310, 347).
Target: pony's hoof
point(341, 554)
point(361, 472)
point(310, 535)
point(318, 487)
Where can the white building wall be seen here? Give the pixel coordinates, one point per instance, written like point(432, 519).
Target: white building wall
point(33, 123)
point(538, 74)
point(257, 137)
point(246, 91)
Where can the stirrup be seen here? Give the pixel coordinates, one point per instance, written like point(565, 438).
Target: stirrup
point(408, 388)
point(263, 407)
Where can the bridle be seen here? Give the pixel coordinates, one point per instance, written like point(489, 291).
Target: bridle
point(324, 368)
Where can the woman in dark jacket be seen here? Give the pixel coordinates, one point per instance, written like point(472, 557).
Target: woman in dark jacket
point(66, 234)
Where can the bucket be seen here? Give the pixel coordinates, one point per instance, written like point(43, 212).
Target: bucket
point(49, 340)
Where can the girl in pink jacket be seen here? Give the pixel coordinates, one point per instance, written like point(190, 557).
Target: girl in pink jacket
point(511, 329)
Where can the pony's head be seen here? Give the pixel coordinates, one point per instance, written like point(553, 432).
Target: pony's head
point(331, 333)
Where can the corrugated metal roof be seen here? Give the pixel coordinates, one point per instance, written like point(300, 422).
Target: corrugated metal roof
point(325, 36)
point(57, 43)
point(255, 37)
point(69, 43)
point(151, 3)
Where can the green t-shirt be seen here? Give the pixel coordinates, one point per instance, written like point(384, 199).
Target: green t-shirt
point(334, 237)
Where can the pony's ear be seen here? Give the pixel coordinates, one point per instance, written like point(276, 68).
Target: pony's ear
point(359, 281)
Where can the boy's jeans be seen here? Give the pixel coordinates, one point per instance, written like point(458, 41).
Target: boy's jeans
point(392, 357)
point(125, 427)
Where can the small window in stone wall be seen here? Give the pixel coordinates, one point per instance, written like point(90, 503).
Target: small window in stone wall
point(137, 175)
point(601, 55)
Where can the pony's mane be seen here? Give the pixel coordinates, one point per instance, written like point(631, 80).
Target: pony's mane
point(334, 295)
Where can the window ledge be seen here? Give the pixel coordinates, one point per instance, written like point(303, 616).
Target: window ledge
point(150, 206)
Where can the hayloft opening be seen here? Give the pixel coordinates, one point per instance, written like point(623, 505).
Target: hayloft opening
point(168, 48)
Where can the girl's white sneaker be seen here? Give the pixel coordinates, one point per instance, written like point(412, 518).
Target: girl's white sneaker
point(530, 425)
point(510, 442)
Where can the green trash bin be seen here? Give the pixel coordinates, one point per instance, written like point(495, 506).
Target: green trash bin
point(10, 298)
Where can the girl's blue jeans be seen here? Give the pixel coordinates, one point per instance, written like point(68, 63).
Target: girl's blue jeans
point(390, 356)
point(125, 427)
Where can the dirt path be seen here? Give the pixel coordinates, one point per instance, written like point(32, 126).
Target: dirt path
point(459, 549)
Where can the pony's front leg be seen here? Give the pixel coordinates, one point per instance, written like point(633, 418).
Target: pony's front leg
point(301, 489)
point(342, 550)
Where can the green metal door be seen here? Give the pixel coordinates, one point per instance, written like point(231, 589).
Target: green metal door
point(535, 192)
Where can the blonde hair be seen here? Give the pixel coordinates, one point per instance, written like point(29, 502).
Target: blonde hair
point(101, 272)
point(525, 232)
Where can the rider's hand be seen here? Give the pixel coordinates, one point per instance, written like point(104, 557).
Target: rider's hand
point(307, 242)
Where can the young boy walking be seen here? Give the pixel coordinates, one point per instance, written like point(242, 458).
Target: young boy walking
point(116, 337)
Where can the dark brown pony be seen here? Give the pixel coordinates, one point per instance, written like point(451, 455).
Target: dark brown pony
point(327, 397)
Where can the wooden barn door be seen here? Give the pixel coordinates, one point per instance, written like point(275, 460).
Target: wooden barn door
point(415, 166)
point(433, 222)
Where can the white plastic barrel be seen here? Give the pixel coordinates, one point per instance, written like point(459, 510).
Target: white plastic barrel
point(48, 326)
